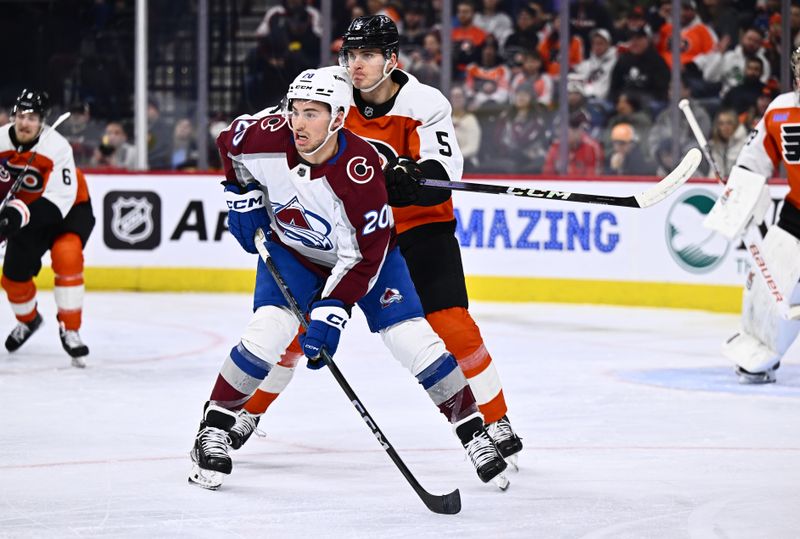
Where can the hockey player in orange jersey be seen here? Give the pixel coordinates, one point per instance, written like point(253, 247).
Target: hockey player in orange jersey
point(409, 124)
point(765, 335)
point(51, 210)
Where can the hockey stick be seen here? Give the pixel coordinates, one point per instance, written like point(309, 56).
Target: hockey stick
point(647, 198)
point(18, 182)
point(447, 504)
point(751, 234)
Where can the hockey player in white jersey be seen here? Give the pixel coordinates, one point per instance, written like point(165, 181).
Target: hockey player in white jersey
point(765, 333)
point(333, 240)
point(409, 124)
point(51, 210)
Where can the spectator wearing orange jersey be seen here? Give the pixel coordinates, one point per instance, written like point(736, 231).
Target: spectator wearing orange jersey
point(698, 40)
point(550, 48)
point(467, 38)
point(532, 77)
point(490, 79)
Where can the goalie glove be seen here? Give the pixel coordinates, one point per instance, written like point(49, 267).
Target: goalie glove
point(246, 213)
point(403, 177)
point(745, 199)
point(13, 217)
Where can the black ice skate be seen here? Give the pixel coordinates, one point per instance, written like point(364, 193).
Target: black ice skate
point(245, 426)
point(765, 377)
point(22, 332)
point(507, 442)
point(483, 453)
point(210, 459)
point(73, 345)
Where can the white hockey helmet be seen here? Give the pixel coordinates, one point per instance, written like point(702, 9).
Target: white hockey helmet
point(329, 85)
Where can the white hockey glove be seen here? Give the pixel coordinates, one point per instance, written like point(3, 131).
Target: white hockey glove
point(745, 199)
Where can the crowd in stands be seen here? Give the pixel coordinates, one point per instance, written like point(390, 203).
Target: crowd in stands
point(506, 72)
point(619, 81)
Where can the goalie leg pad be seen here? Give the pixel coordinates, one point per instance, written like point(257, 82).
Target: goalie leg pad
point(765, 336)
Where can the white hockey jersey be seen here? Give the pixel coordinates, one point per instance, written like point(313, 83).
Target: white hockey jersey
point(334, 216)
point(51, 174)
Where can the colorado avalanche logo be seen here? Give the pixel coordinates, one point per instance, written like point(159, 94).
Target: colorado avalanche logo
point(304, 226)
point(359, 171)
point(391, 295)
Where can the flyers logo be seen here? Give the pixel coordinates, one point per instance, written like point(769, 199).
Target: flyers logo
point(359, 171)
point(32, 180)
point(790, 137)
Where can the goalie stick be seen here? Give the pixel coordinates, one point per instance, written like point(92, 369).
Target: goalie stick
point(18, 181)
point(447, 504)
point(645, 199)
point(751, 234)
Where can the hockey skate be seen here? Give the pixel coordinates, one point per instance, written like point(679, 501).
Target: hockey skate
point(246, 424)
point(73, 345)
point(22, 332)
point(508, 443)
point(483, 453)
point(210, 459)
point(753, 378)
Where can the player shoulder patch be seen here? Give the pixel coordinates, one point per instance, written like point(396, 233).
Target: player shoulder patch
point(358, 170)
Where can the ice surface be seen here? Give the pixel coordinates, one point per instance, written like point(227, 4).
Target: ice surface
point(633, 423)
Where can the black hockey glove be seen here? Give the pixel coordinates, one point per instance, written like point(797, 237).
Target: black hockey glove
point(403, 176)
point(13, 217)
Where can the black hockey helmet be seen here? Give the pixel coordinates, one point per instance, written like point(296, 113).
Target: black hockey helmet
point(32, 101)
point(372, 32)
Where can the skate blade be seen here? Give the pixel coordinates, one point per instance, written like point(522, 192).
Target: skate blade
point(512, 461)
point(207, 479)
point(79, 362)
point(501, 481)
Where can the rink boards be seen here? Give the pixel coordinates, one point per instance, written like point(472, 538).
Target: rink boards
point(167, 233)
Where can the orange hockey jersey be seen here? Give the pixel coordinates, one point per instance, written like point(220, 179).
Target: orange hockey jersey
point(415, 123)
point(776, 139)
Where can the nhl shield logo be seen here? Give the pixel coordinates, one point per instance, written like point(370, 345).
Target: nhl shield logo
point(390, 295)
point(368, 112)
point(132, 220)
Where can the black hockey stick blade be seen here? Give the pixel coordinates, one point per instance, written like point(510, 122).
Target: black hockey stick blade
point(447, 504)
point(647, 198)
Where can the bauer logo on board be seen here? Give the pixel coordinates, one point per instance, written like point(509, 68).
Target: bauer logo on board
point(132, 220)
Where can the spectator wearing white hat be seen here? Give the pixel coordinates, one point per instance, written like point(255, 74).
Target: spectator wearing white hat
point(595, 71)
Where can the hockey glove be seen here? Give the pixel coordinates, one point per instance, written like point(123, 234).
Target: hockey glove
point(328, 318)
point(246, 213)
point(403, 176)
point(13, 217)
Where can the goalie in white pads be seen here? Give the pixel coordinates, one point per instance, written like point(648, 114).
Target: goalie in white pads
point(333, 240)
point(765, 334)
